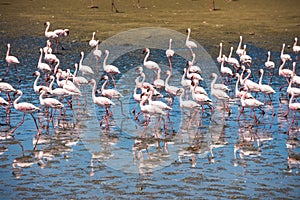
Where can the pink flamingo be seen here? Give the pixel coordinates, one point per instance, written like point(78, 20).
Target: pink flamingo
point(196, 88)
point(296, 48)
point(78, 80)
point(294, 90)
point(111, 70)
point(190, 74)
point(221, 57)
point(292, 106)
point(47, 49)
point(11, 60)
point(225, 71)
point(188, 104)
point(172, 90)
point(252, 86)
point(185, 82)
point(244, 58)
point(219, 94)
point(250, 103)
point(61, 33)
point(103, 102)
point(51, 34)
point(26, 108)
point(218, 86)
point(84, 68)
point(170, 53)
point(158, 82)
point(269, 64)
point(3, 102)
point(37, 88)
point(194, 68)
point(283, 56)
point(97, 52)
point(265, 89)
point(188, 43)
point(200, 98)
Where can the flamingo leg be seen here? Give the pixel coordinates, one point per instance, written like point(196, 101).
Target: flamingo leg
point(12, 131)
point(19, 79)
point(37, 128)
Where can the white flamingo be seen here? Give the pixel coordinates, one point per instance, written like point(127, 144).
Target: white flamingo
point(97, 52)
point(296, 48)
point(286, 73)
point(37, 88)
point(283, 56)
point(170, 53)
point(200, 98)
point(50, 34)
point(111, 70)
point(159, 104)
point(84, 68)
point(158, 82)
point(78, 80)
point(239, 51)
point(196, 88)
point(239, 93)
point(219, 93)
point(265, 89)
point(194, 68)
point(26, 108)
point(269, 64)
point(292, 106)
point(190, 44)
point(233, 61)
point(185, 82)
point(221, 57)
point(295, 78)
point(43, 66)
point(218, 86)
point(172, 90)
point(293, 90)
point(47, 49)
point(188, 104)
point(226, 71)
point(190, 74)
point(11, 60)
point(250, 103)
point(252, 86)
point(244, 58)
point(93, 43)
point(149, 63)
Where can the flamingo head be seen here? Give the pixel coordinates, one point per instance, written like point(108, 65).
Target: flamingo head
point(92, 81)
point(106, 52)
point(8, 45)
point(261, 71)
point(146, 50)
point(17, 92)
point(168, 72)
point(47, 23)
point(36, 73)
point(188, 30)
point(213, 75)
point(105, 77)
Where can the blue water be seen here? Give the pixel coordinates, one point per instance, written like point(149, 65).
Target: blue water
point(191, 157)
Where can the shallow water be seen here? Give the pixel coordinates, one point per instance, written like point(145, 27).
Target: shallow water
point(190, 157)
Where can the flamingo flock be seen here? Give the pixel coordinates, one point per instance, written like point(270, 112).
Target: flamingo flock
point(154, 98)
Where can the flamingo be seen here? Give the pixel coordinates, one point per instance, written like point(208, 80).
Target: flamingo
point(194, 68)
point(93, 43)
point(149, 63)
point(144, 86)
point(97, 52)
point(190, 74)
point(295, 78)
point(71, 87)
point(51, 34)
point(150, 110)
point(239, 51)
point(7, 88)
point(50, 103)
point(11, 60)
point(252, 86)
point(190, 44)
point(185, 82)
point(37, 88)
point(287, 73)
point(233, 61)
point(218, 92)
point(292, 106)
point(200, 98)
point(26, 108)
point(244, 58)
point(265, 89)
point(79, 80)
point(240, 93)
point(196, 88)
point(221, 57)
point(102, 101)
point(158, 83)
point(170, 53)
point(159, 104)
point(218, 86)
point(187, 104)
point(84, 68)
point(47, 49)
point(296, 48)
point(61, 33)
point(111, 93)
point(43, 66)
point(3, 102)
point(172, 90)
point(250, 103)
point(225, 71)
point(269, 64)
point(111, 70)
point(284, 57)
point(294, 90)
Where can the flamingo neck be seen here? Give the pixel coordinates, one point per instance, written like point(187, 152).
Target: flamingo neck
point(75, 72)
point(291, 100)
point(105, 59)
point(41, 98)
point(8, 49)
point(213, 82)
point(51, 84)
point(17, 99)
point(94, 90)
point(41, 54)
point(188, 35)
point(220, 52)
point(56, 67)
point(36, 80)
point(240, 43)
point(81, 59)
point(294, 68)
point(103, 85)
point(146, 57)
point(269, 56)
point(237, 85)
point(167, 80)
point(282, 50)
point(184, 74)
point(47, 28)
point(170, 44)
point(158, 73)
point(230, 54)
